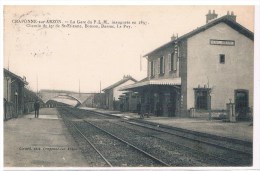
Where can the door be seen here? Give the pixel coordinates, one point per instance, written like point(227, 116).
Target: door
point(172, 105)
point(241, 103)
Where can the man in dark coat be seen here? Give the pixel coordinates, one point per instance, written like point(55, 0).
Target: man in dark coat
point(36, 108)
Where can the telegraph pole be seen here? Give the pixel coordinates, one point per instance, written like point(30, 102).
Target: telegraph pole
point(100, 87)
point(140, 62)
point(79, 87)
point(37, 83)
point(100, 104)
point(8, 65)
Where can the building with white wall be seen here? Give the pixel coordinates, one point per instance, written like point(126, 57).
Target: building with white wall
point(204, 69)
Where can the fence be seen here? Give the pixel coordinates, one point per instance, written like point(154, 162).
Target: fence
point(28, 107)
point(9, 111)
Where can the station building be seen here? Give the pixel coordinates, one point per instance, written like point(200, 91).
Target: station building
point(203, 70)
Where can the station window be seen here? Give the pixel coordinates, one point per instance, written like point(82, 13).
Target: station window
point(222, 58)
point(171, 61)
point(152, 68)
point(202, 98)
point(161, 65)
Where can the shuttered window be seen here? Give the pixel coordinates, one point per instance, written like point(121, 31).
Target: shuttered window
point(172, 62)
point(169, 62)
point(149, 69)
point(175, 62)
point(202, 98)
point(152, 68)
point(161, 65)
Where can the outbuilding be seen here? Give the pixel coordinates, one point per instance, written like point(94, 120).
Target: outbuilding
point(112, 93)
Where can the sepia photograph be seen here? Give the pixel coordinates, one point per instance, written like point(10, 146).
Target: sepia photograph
point(128, 86)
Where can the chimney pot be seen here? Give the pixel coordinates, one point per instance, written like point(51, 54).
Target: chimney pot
point(211, 16)
point(227, 12)
point(232, 16)
point(174, 37)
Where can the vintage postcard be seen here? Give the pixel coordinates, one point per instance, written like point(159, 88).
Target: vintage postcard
point(128, 86)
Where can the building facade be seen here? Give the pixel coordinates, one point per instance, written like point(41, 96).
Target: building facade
point(128, 101)
point(13, 94)
point(203, 70)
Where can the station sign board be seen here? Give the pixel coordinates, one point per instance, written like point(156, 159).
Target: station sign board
point(222, 42)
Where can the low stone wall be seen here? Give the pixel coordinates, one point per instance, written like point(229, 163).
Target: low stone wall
point(9, 111)
point(215, 114)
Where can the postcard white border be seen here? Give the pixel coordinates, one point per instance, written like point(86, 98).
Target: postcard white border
point(256, 3)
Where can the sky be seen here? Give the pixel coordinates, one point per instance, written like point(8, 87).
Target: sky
point(80, 58)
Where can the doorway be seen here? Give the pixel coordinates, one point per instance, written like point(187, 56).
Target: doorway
point(241, 103)
point(171, 105)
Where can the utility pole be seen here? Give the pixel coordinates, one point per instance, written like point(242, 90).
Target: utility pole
point(37, 83)
point(8, 65)
point(100, 104)
point(140, 62)
point(100, 87)
point(79, 87)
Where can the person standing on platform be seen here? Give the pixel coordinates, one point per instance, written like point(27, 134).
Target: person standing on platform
point(36, 108)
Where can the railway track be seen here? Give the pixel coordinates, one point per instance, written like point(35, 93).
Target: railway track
point(93, 157)
point(205, 150)
point(238, 146)
point(227, 156)
point(122, 149)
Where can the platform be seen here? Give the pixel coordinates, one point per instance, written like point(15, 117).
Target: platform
point(40, 142)
point(238, 130)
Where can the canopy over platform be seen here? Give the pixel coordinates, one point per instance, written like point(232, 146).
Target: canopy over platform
point(167, 82)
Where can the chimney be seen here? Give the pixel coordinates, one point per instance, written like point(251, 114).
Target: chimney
point(231, 16)
point(174, 37)
point(211, 16)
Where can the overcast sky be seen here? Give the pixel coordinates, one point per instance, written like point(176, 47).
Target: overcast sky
point(60, 57)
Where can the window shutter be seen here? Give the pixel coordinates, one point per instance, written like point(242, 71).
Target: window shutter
point(175, 62)
point(169, 62)
point(178, 52)
point(158, 64)
point(149, 68)
point(153, 67)
point(163, 70)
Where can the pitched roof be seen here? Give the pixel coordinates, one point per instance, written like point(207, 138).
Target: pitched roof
point(225, 19)
point(125, 79)
point(15, 76)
